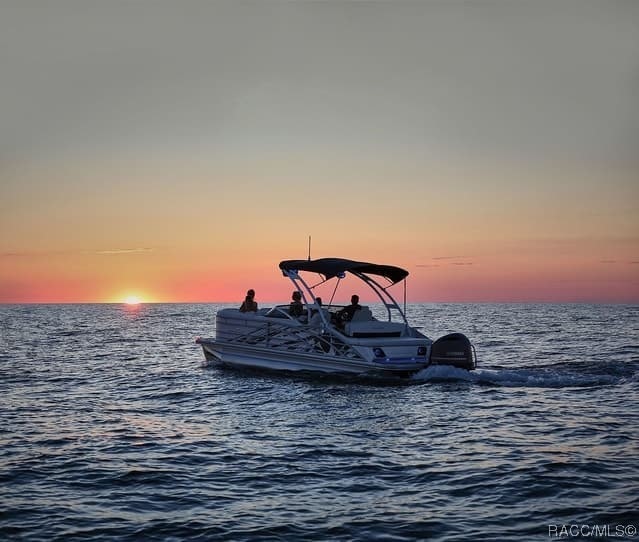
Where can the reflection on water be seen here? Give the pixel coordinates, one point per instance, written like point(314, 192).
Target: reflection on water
point(112, 429)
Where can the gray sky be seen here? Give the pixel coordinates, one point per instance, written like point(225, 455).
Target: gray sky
point(500, 80)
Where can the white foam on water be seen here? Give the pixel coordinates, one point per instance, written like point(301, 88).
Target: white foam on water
point(443, 372)
point(513, 377)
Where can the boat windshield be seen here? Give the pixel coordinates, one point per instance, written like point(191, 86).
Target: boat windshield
point(331, 280)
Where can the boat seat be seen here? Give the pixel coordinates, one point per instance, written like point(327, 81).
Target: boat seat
point(373, 328)
point(362, 315)
point(316, 319)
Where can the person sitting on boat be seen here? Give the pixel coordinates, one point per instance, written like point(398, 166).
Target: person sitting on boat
point(296, 308)
point(249, 304)
point(316, 319)
point(346, 314)
point(318, 302)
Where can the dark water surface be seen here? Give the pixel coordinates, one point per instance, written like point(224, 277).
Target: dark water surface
point(112, 429)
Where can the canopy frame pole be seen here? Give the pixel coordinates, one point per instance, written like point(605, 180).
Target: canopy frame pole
point(307, 294)
point(387, 299)
point(404, 295)
point(330, 303)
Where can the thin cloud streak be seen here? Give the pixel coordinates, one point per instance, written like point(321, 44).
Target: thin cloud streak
point(34, 254)
point(124, 251)
point(445, 260)
point(50, 253)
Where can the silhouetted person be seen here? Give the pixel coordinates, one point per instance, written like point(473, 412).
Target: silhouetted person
point(316, 319)
point(346, 314)
point(296, 308)
point(249, 304)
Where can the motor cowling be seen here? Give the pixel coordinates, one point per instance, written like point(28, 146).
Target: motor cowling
point(455, 350)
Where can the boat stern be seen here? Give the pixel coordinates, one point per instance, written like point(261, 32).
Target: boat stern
point(396, 358)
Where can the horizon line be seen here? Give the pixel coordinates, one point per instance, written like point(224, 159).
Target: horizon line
point(514, 302)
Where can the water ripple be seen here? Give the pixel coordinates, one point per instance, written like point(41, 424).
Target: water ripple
point(112, 430)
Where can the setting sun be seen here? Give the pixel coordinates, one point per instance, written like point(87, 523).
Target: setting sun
point(131, 297)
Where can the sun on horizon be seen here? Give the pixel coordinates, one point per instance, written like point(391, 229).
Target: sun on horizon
point(132, 297)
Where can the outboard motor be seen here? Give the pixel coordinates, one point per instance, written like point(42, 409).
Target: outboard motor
point(455, 350)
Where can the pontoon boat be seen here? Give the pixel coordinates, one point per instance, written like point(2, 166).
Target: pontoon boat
point(321, 339)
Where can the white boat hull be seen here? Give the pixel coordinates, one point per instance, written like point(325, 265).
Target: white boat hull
point(227, 354)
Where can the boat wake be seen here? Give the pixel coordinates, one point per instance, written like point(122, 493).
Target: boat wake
point(525, 377)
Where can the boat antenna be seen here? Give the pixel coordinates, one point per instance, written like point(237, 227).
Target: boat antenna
point(309, 248)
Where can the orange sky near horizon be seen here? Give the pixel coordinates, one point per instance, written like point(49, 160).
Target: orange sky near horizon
point(490, 266)
point(178, 154)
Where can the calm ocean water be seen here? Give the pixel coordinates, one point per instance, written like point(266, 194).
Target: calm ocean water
point(111, 428)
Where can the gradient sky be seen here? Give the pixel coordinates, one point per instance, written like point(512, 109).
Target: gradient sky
point(179, 150)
